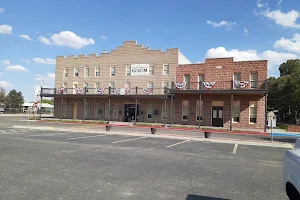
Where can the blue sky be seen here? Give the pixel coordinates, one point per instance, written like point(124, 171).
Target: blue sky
point(33, 33)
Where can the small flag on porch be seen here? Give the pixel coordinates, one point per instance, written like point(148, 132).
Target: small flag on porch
point(208, 85)
point(147, 90)
point(100, 90)
point(241, 84)
point(79, 90)
point(180, 85)
point(122, 91)
point(60, 90)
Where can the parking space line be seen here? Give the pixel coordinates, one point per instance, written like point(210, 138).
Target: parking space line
point(178, 143)
point(23, 130)
point(2, 131)
point(42, 135)
point(235, 148)
point(91, 136)
point(129, 139)
point(12, 130)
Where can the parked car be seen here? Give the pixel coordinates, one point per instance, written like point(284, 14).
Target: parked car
point(2, 110)
point(291, 172)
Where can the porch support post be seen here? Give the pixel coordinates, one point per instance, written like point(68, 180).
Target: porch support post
point(61, 108)
point(266, 112)
point(41, 103)
point(231, 107)
point(108, 105)
point(84, 102)
point(135, 110)
point(171, 111)
point(165, 106)
point(200, 99)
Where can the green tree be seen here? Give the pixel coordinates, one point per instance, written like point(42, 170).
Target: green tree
point(14, 100)
point(49, 101)
point(2, 95)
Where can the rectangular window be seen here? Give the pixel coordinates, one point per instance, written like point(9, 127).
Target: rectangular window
point(97, 71)
point(97, 85)
point(236, 78)
point(165, 85)
point(76, 73)
point(86, 72)
point(252, 112)
point(112, 71)
point(115, 110)
point(197, 110)
point(95, 109)
point(149, 111)
point(64, 109)
point(166, 69)
point(185, 110)
point(86, 85)
point(65, 85)
point(200, 80)
point(236, 110)
point(65, 72)
point(163, 115)
point(187, 79)
point(150, 84)
point(127, 84)
point(112, 87)
point(128, 70)
point(106, 110)
point(151, 69)
point(253, 80)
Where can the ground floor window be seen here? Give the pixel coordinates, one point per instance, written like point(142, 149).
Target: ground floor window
point(253, 112)
point(149, 111)
point(236, 110)
point(185, 109)
point(64, 109)
point(197, 110)
point(95, 109)
point(115, 110)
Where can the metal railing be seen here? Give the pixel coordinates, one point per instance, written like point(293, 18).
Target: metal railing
point(221, 85)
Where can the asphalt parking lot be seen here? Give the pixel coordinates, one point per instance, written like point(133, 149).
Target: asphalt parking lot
point(79, 165)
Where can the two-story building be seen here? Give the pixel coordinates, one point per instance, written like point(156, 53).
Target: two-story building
point(135, 83)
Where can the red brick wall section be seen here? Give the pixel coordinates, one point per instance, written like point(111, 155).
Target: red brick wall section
point(293, 128)
point(225, 74)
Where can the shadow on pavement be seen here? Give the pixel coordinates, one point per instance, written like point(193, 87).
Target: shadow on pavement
point(281, 139)
point(197, 197)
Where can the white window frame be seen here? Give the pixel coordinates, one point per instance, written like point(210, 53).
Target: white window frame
point(86, 72)
point(150, 111)
point(128, 70)
point(164, 85)
point(200, 85)
point(253, 83)
point(151, 69)
point(236, 111)
point(185, 103)
point(115, 110)
point(253, 104)
point(96, 108)
point(112, 67)
point(197, 110)
point(75, 71)
point(66, 72)
point(112, 88)
point(65, 85)
point(97, 70)
point(148, 83)
point(127, 84)
point(188, 83)
point(165, 70)
point(234, 85)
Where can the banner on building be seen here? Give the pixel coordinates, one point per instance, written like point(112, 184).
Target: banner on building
point(139, 69)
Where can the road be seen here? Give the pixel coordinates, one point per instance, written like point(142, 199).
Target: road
point(79, 165)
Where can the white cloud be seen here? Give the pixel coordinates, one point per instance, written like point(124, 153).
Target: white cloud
point(291, 45)
point(260, 4)
point(278, 3)
point(221, 23)
point(274, 58)
point(51, 76)
point(103, 37)
point(286, 20)
point(28, 61)
point(245, 31)
point(6, 62)
point(5, 29)
point(47, 61)
point(48, 79)
point(6, 85)
point(2, 10)
point(26, 37)
point(18, 68)
point(44, 40)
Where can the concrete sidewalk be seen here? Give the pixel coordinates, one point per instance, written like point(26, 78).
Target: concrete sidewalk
point(167, 136)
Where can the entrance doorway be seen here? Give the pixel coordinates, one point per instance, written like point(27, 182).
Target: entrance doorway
point(217, 116)
point(74, 110)
point(130, 112)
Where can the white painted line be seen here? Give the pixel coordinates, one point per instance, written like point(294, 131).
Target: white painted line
point(92, 136)
point(12, 130)
point(42, 135)
point(23, 130)
point(129, 139)
point(178, 143)
point(235, 148)
point(2, 131)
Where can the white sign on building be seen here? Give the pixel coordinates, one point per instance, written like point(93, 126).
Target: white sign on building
point(139, 69)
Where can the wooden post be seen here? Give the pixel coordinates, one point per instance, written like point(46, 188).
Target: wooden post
point(231, 107)
point(109, 104)
point(61, 108)
point(266, 112)
point(84, 102)
point(171, 111)
point(199, 122)
point(165, 107)
point(135, 110)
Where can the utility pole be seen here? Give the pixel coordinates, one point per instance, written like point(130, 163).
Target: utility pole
point(41, 85)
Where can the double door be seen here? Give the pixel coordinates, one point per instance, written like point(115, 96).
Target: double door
point(130, 112)
point(217, 116)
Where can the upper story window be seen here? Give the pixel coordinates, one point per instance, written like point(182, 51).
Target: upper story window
point(86, 71)
point(76, 73)
point(127, 84)
point(97, 71)
point(150, 84)
point(112, 71)
point(166, 69)
point(96, 85)
point(128, 70)
point(65, 72)
point(236, 78)
point(187, 79)
point(165, 85)
point(151, 69)
point(200, 80)
point(253, 80)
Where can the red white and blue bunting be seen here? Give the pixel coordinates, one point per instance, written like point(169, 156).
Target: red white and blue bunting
point(147, 90)
point(60, 90)
point(208, 85)
point(122, 91)
point(79, 90)
point(241, 84)
point(180, 85)
point(100, 90)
